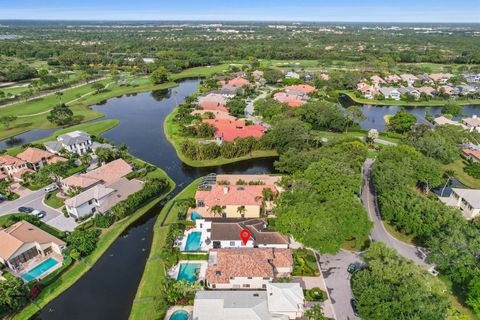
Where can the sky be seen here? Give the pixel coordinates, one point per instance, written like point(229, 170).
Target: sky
point(247, 10)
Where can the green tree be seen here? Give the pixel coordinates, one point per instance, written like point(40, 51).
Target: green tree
point(160, 75)
point(13, 295)
point(241, 211)
point(84, 241)
point(61, 115)
point(401, 122)
point(315, 313)
point(452, 108)
point(7, 120)
point(401, 289)
point(98, 87)
point(272, 76)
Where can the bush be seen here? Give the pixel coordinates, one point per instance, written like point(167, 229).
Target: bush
point(103, 220)
point(473, 169)
point(315, 294)
point(84, 241)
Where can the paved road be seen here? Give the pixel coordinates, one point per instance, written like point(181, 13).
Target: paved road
point(249, 110)
point(379, 233)
point(34, 200)
point(337, 279)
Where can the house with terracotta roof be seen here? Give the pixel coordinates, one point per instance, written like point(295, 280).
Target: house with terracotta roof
point(217, 114)
point(24, 246)
point(409, 78)
point(101, 198)
point(38, 158)
point(291, 99)
point(13, 167)
point(247, 268)
point(368, 91)
point(105, 174)
point(393, 78)
point(377, 80)
point(305, 88)
point(441, 78)
point(213, 106)
point(228, 130)
point(238, 82)
point(429, 91)
point(230, 198)
point(212, 97)
point(471, 154)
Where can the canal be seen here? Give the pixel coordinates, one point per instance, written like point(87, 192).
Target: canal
point(107, 291)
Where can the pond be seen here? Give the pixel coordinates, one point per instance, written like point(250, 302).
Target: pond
point(374, 115)
point(107, 291)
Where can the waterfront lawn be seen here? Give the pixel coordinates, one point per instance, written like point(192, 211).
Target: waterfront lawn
point(457, 167)
point(171, 130)
point(149, 303)
point(93, 128)
point(430, 103)
point(199, 72)
point(73, 274)
point(33, 114)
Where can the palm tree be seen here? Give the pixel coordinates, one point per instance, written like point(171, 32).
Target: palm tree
point(216, 209)
point(241, 211)
point(267, 195)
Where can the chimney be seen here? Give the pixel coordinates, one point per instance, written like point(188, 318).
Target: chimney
point(225, 189)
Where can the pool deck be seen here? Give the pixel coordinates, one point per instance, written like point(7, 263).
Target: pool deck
point(173, 273)
point(32, 263)
point(203, 238)
point(170, 311)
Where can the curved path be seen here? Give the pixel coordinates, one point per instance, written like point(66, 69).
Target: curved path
point(379, 233)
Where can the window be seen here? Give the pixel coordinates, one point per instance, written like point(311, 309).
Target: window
point(89, 201)
point(266, 278)
point(232, 243)
point(249, 278)
point(246, 286)
point(264, 286)
point(218, 273)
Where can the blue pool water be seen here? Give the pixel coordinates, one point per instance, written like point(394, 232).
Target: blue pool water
point(188, 272)
point(193, 241)
point(179, 315)
point(39, 270)
point(195, 215)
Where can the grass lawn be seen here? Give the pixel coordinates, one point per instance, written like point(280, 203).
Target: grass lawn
point(431, 103)
point(53, 201)
point(80, 268)
point(462, 176)
point(171, 132)
point(33, 114)
point(357, 245)
point(93, 128)
point(305, 263)
point(402, 236)
point(200, 71)
point(456, 298)
point(148, 297)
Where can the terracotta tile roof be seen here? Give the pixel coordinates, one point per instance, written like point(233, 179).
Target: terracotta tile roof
point(238, 82)
point(56, 159)
point(301, 87)
point(247, 262)
point(473, 153)
point(232, 195)
point(34, 155)
point(217, 114)
point(107, 173)
point(8, 160)
point(230, 130)
point(377, 79)
point(20, 233)
point(473, 121)
point(213, 106)
point(292, 100)
point(212, 97)
point(20, 172)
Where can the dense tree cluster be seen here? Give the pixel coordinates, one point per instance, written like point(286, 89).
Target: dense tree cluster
point(393, 288)
point(402, 178)
point(320, 207)
point(207, 151)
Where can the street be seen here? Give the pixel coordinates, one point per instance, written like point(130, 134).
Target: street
point(54, 217)
point(249, 110)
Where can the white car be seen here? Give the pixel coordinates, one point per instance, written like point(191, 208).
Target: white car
point(51, 187)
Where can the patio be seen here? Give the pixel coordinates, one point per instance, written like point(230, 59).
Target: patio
point(34, 262)
point(175, 270)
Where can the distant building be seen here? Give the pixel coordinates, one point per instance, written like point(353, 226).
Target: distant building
point(77, 142)
point(393, 78)
point(390, 93)
point(409, 78)
point(471, 154)
point(292, 75)
point(13, 167)
point(305, 88)
point(227, 130)
point(409, 91)
point(472, 123)
point(38, 158)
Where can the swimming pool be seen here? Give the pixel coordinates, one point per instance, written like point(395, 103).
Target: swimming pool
point(36, 272)
point(193, 241)
point(179, 315)
point(189, 272)
point(195, 215)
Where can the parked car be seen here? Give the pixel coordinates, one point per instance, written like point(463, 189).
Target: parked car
point(51, 188)
point(353, 303)
point(352, 268)
point(41, 214)
point(25, 209)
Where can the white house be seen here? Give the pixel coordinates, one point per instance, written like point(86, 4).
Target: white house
point(281, 301)
point(22, 243)
point(468, 200)
point(226, 234)
point(390, 93)
point(292, 75)
point(77, 142)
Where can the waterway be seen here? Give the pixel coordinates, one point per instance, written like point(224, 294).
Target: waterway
point(108, 290)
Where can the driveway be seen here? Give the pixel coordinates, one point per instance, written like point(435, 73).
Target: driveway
point(337, 279)
point(379, 233)
point(54, 217)
point(250, 110)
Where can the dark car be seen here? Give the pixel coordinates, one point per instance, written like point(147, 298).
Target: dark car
point(353, 303)
point(352, 268)
point(41, 214)
point(25, 209)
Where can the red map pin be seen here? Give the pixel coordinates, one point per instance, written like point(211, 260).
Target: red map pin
point(245, 235)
